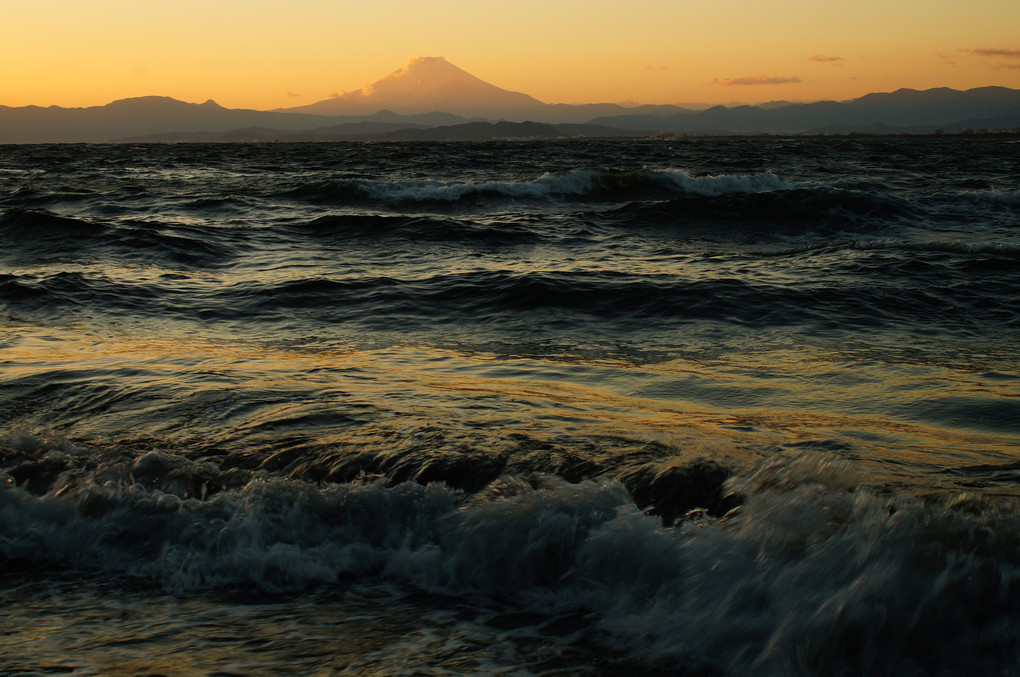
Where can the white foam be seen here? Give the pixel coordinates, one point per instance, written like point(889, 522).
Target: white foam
point(726, 184)
point(577, 183)
point(813, 572)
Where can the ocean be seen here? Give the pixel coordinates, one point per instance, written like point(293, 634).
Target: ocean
point(682, 407)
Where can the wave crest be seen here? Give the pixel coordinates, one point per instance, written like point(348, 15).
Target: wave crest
point(584, 185)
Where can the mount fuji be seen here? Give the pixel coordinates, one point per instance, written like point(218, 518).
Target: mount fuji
point(425, 85)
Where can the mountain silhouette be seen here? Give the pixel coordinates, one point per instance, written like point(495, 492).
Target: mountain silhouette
point(135, 117)
point(905, 110)
point(426, 84)
point(430, 98)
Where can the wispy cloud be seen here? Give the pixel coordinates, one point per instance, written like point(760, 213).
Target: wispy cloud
point(997, 56)
point(756, 80)
point(292, 95)
point(835, 60)
point(948, 60)
point(1007, 53)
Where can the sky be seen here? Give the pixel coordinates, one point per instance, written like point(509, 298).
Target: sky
point(268, 54)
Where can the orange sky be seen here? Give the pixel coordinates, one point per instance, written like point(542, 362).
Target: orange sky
point(269, 53)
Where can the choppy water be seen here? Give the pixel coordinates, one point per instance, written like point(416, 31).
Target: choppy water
point(645, 407)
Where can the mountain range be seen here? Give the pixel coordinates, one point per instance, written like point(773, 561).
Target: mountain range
point(431, 99)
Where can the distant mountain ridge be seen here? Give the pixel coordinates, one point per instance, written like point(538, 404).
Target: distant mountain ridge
point(431, 93)
point(135, 117)
point(916, 111)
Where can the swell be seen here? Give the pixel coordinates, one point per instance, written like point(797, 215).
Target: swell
point(343, 228)
point(578, 185)
point(19, 226)
point(870, 290)
point(796, 211)
point(42, 236)
point(724, 207)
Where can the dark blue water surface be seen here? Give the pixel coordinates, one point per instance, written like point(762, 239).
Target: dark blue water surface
point(690, 407)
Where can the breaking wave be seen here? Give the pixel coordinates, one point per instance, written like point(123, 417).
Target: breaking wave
point(806, 557)
point(595, 186)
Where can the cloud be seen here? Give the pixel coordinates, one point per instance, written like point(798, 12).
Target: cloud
point(1007, 53)
point(998, 55)
point(948, 60)
point(335, 95)
point(826, 59)
point(756, 80)
point(292, 95)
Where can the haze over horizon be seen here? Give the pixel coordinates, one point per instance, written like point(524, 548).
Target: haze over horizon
point(283, 55)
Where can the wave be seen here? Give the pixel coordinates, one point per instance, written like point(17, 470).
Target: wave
point(1004, 199)
point(980, 253)
point(810, 573)
point(29, 198)
point(27, 224)
point(794, 211)
point(61, 295)
point(939, 294)
point(426, 229)
point(40, 235)
point(579, 185)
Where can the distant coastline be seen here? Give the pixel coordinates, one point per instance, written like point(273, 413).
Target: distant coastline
point(1004, 135)
point(932, 136)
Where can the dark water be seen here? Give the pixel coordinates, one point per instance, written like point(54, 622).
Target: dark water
point(608, 408)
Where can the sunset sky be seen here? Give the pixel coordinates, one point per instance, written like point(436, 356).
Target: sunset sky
point(269, 54)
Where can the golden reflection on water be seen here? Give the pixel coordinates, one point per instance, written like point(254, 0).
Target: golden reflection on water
point(745, 406)
point(65, 629)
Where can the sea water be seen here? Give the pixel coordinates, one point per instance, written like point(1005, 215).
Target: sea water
point(645, 407)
